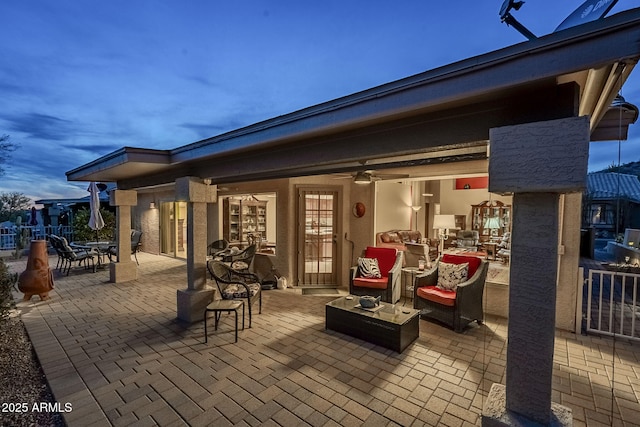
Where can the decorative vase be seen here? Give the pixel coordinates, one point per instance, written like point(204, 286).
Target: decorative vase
point(37, 279)
point(369, 301)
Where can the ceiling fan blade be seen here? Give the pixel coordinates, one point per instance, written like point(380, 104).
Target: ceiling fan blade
point(390, 175)
point(342, 176)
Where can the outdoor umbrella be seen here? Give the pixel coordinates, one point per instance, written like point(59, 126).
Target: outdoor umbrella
point(95, 221)
point(33, 221)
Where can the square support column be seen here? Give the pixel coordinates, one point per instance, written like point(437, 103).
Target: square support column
point(124, 269)
point(536, 162)
point(54, 214)
point(192, 301)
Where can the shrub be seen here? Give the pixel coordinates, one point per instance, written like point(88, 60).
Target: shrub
point(7, 280)
point(83, 233)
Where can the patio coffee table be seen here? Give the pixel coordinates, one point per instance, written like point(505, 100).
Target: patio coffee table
point(392, 326)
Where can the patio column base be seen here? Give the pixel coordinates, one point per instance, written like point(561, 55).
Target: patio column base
point(123, 271)
point(192, 302)
point(496, 414)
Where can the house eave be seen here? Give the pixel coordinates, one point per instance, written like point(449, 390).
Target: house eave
point(122, 164)
point(609, 43)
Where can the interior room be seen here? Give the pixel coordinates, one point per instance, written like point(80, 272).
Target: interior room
point(417, 205)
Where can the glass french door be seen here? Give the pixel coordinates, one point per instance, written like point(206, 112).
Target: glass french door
point(317, 232)
point(173, 229)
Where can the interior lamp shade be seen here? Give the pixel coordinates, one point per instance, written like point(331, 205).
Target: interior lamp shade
point(444, 222)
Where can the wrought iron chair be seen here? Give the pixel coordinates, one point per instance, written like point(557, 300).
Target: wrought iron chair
point(236, 285)
point(241, 261)
point(218, 248)
point(136, 245)
point(71, 255)
point(56, 244)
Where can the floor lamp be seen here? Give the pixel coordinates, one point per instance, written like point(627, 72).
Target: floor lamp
point(416, 208)
point(443, 223)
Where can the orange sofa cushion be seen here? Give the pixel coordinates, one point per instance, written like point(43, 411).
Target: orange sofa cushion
point(435, 294)
point(365, 282)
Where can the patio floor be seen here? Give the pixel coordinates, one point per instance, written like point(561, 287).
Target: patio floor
point(117, 353)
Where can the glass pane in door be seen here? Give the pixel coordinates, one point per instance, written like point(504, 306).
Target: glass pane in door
point(167, 225)
point(173, 229)
point(181, 229)
point(318, 250)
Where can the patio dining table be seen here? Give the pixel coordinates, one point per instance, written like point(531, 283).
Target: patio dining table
point(101, 249)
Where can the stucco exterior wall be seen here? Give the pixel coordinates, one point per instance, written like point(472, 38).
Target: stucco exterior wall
point(357, 233)
point(147, 220)
point(360, 231)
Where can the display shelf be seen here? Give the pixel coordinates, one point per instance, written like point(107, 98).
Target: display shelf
point(491, 218)
point(244, 220)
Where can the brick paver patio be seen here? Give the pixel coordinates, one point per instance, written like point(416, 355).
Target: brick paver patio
point(117, 353)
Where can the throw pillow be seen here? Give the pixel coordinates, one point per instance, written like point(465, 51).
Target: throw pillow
point(451, 275)
point(368, 267)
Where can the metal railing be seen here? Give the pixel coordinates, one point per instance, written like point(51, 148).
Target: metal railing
point(9, 235)
point(612, 303)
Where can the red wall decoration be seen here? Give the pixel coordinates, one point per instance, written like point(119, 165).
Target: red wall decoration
point(472, 183)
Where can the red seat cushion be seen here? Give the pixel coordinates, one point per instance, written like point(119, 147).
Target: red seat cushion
point(386, 258)
point(474, 262)
point(365, 282)
point(435, 294)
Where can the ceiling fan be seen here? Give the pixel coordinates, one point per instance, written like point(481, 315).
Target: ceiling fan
point(368, 176)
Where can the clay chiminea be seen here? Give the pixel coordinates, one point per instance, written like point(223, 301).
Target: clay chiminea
point(37, 279)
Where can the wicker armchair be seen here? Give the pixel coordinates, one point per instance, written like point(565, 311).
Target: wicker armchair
point(455, 308)
point(388, 286)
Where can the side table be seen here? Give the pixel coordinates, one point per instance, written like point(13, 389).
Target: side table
point(408, 280)
point(220, 306)
point(491, 250)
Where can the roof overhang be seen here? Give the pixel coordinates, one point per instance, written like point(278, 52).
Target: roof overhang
point(123, 164)
point(573, 72)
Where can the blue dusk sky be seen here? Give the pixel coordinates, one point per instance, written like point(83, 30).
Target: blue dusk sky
point(80, 79)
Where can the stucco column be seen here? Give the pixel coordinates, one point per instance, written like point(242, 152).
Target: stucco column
point(192, 301)
point(54, 214)
point(124, 269)
point(536, 162)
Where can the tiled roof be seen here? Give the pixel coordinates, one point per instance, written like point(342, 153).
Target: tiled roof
point(611, 185)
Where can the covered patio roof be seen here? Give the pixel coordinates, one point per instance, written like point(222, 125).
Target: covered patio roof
point(442, 115)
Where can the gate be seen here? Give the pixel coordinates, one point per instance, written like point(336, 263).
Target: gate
point(612, 304)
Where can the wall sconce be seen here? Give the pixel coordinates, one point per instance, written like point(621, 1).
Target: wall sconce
point(152, 205)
